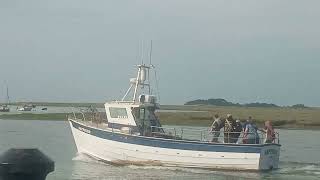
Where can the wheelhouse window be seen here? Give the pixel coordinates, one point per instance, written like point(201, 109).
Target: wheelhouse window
point(118, 112)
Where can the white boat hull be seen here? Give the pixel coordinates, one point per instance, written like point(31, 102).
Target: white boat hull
point(264, 157)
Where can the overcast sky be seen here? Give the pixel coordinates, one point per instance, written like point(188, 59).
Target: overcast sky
point(85, 50)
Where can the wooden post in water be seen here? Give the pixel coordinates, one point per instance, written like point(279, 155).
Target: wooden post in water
point(25, 164)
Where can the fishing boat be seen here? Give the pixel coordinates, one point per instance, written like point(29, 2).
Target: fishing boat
point(131, 133)
point(5, 107)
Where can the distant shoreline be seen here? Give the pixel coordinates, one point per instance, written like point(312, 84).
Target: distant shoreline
point(186, 115)
point(289, 127)
point(225, 103)
point(200, 115)
point(281, 117)
point(58, 104)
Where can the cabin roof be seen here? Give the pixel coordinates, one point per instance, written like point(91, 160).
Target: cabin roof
point(128, 103)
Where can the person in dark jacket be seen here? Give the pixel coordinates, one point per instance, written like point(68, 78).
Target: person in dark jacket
point(228, 128)
point(237, 129)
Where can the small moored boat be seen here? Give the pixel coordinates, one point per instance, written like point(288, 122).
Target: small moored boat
point(27, 107)
point(4, 108)
point(130, 133)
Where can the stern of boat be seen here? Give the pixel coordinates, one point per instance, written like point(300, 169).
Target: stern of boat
point(269, 157)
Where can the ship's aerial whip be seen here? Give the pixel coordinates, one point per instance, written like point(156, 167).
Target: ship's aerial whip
point(150, 64)
point(150, 54)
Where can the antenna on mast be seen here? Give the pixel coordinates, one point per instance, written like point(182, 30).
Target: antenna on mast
point(143, 77)
point(150, 54)
point(7, 92)
point(150, 65)
point(8, 100)
point(142, 52)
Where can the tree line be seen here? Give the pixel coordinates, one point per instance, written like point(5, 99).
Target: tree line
point(223, 102)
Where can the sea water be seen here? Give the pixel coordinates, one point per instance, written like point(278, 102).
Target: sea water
point(299, 157)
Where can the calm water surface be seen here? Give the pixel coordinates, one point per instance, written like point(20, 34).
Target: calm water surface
point(299, 156)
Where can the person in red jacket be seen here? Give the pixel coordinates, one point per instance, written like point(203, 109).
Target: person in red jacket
point(270, 134)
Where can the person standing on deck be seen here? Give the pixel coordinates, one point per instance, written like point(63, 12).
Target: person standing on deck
point(228, 128)
point(237, 129)
point(215, 128)
point(270, 134)
point(246, 122)
point(251, 133)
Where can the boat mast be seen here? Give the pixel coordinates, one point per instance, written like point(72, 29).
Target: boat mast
point(137, 84)
point(8, 101)
point(150, 64)
point(142, 79)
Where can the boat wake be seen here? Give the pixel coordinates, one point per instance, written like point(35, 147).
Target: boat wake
point(287, 169)
point(190, 172)
point(303, 169)
point(312, 168)
point(187, 173)
point(80, 157)
point(177, 169)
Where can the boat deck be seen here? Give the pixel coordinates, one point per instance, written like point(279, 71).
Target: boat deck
point(179, 133)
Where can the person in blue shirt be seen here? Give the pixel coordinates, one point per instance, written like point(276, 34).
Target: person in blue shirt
point(251, 135)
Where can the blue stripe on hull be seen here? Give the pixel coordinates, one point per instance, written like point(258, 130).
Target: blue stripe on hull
point(168, 143)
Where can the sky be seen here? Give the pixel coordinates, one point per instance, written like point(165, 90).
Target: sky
point(85, 50)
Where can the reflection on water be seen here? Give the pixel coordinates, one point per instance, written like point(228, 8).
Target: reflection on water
point(88, 168)
point(299, 156)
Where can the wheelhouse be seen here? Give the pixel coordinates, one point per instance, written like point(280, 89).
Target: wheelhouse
point(134, 118)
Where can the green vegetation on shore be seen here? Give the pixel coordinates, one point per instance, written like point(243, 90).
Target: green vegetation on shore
point(202, 115)
point(223, 102)
point(31, 116)
point(280, 116)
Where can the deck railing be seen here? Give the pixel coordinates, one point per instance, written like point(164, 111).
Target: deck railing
point(205, 135)
point(188, 133)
